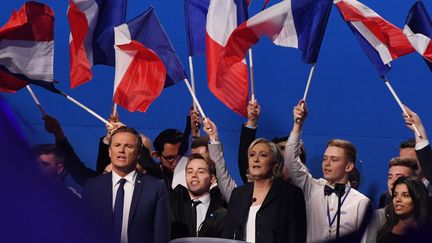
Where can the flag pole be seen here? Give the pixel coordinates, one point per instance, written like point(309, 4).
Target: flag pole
point(195, 98)
point(35, 99)
point(191, 70)
point(307, 87)
point(85, 108)
point(252, 77)
point(114, 111)
point(400, 104)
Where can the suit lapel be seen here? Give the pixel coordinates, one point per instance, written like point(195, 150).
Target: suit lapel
point(273, 193)
point(136, 195)
point(106, 194)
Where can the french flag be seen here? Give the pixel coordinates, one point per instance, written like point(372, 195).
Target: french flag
point(222, 19)
point(195, 14)
point(418, 29)
point(92, 25)
point(145, 62)
point(27, 48)
point(292, 23)
point(382, 41)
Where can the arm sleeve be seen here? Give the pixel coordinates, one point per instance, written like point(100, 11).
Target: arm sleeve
point(247, 136)
point(184, 145)
point(162, 215)
point(226, 183)
point(75, 167)
point(103, 158)
point(297, 171)
point(424, 156)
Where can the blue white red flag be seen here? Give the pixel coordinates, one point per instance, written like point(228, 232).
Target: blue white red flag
point(382, 41)
point(92, 25)
point(418, 29)
point(140, 73)
point(196, 14)
point(27, 48)
point(222, 18)
point(147, 30)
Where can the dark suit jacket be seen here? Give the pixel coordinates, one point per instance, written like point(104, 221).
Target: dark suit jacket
point(247, 136)
point(424, 156)
point(148, 216)
point(181, 212)
point(281, 217)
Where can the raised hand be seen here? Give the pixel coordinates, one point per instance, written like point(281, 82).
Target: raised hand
point(253, 113)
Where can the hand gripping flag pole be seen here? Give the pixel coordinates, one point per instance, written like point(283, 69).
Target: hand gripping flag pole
point(35, 99)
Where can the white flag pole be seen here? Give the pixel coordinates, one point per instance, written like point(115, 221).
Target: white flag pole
point(191, 70)
point(85, 108)
point(252, 77)
point(307, 87)
point(195, 98)
point(400, 104)
point(35, 99)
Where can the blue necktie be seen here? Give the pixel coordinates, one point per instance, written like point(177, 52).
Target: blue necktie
point(118, 210)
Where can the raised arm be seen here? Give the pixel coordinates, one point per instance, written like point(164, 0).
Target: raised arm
point(226, 183)
point(297, 171)
point(423, 148)
point(247, 136)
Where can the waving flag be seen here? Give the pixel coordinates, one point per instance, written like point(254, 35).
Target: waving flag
point(92, 25)
point(418, 29)
point(292, 23)
point(27, 48)
point(222, 19)
point(140, 73)
point(195, 14)
point(382, 41)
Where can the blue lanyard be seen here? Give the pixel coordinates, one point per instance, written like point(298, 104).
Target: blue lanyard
point(328, 210)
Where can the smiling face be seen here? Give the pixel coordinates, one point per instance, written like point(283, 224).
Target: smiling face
point(403, 204)
point(123, 152)
point(335, 166)
point(261, 161)
point(198, 177)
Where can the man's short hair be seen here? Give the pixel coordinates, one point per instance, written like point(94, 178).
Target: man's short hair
point(210, 163)
point(128, 130)
point(171, 136)
point(202, 141)
point(50, 149)
point(348, 147)
point(407, 162)
point(409, 143)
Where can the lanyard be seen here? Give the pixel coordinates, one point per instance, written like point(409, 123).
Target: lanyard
point(328, 210)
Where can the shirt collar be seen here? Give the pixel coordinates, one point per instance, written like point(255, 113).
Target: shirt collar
point(204, 199)
point(130, 178)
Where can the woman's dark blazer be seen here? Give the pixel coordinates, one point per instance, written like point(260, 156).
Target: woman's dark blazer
point(281, 217)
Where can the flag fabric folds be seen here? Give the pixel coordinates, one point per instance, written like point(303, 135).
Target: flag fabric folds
point(418, 29)
point(231, 89)
point(92, 25)
point(140, 73)
point(382, 41)
point(147, 30)
point(195, 14)
point(27, 48)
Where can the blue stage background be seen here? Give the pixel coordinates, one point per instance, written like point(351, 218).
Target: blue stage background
point(347, 99)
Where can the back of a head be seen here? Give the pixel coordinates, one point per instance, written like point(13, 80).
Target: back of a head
point(171, 136)
point(200, 142)
point(50, 149)
point(348, 147)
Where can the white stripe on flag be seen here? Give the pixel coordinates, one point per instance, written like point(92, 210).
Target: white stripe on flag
point(221, 20)
point(122, 58)
point(380, 47)
point(365, 10)
point(34, 59)
point(419, 41)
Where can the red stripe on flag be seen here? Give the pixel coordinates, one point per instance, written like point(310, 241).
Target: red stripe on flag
point(231, 87)
point(80, 68)
point(9, 83)
point(32, 22)
point(143, 80)
point(428, 52)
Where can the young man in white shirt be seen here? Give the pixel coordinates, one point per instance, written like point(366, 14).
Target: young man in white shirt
point(321, 203)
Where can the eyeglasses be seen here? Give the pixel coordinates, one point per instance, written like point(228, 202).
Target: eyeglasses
point(169, 158)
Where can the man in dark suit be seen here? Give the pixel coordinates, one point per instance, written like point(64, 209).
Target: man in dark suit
point(197, 210)
point(134, 207)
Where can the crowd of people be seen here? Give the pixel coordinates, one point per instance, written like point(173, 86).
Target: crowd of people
point(165, 190)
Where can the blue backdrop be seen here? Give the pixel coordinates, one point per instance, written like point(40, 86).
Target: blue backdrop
point(347, 99)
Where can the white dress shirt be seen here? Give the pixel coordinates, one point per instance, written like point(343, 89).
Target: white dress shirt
point(251, 222)
point(202, 209)
point(128, 192)
point(318, 226)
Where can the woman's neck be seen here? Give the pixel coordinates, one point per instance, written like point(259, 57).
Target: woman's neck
point(260, 190)
point(404, 224)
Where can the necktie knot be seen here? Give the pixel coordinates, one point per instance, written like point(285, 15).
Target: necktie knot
point(328, 190)
point(195, 203)
point(122, 181)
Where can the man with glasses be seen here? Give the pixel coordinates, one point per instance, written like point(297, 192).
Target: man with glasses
point(320, 196)
point(167, 146)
